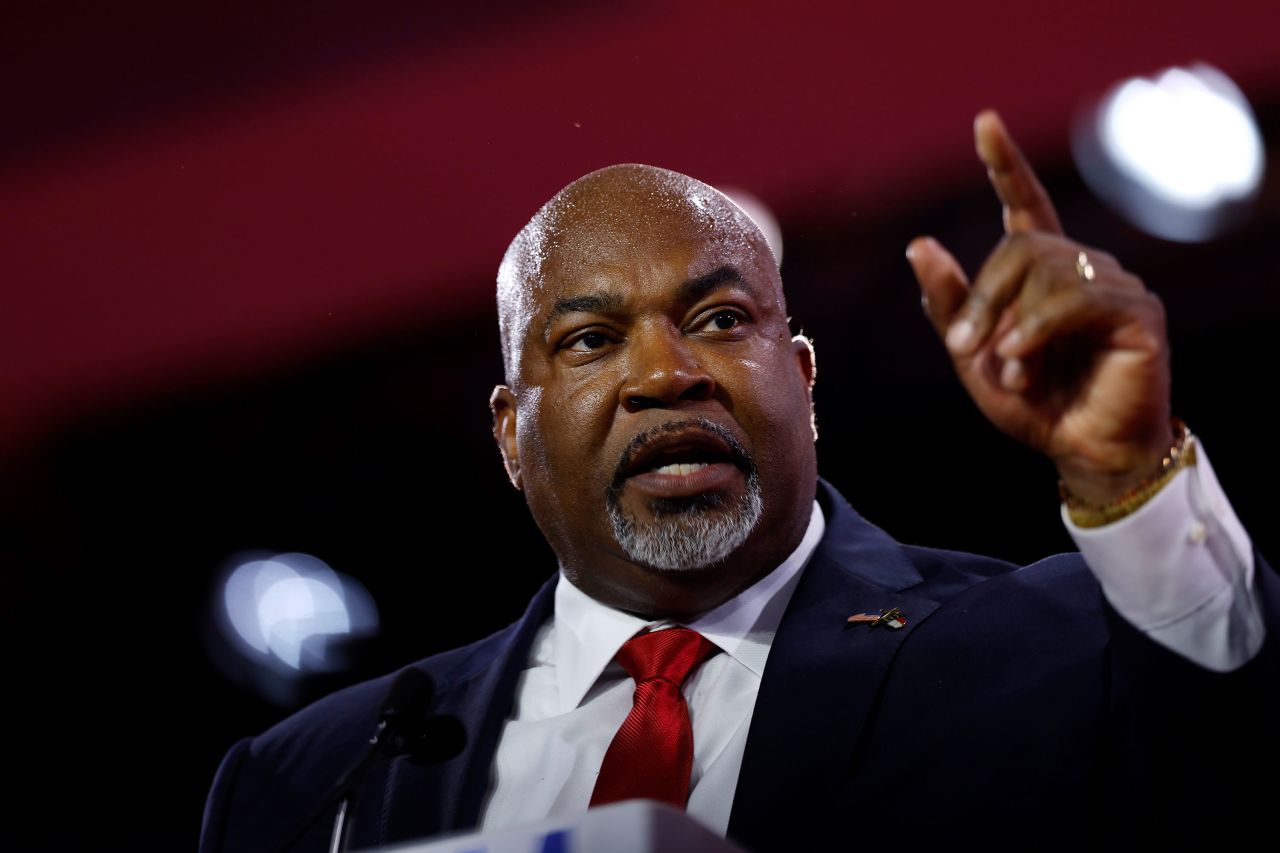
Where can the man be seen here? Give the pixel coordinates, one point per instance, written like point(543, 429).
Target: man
point(842, 689)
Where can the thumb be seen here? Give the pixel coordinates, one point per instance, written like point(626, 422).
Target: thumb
point(943, 285)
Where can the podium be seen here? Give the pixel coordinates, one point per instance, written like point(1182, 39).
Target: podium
point(634, 826)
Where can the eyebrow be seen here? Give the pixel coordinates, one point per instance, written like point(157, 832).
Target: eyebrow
point(599, 303)
point(690, 291)
point(696, 288)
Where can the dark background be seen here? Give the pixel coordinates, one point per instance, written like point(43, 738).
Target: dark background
point(246, 278)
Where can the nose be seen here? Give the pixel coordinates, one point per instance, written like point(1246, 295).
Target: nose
point(664, 371)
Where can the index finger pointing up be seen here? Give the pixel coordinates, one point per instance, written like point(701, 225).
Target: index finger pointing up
point(1026, 205)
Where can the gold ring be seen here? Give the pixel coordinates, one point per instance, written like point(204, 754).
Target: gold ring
point(1084, 269)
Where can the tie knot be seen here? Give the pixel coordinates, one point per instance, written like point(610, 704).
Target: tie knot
point(669, 655)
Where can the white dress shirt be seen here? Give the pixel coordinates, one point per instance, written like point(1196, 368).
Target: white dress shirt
point(573, 696)
point(1180, 569)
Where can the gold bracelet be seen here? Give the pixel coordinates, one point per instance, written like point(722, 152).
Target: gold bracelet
point(1181, 455)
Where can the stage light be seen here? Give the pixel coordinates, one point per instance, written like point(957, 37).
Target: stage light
point(761, 215)
point(1180, 155)
point(293, 610)
point(290, 613)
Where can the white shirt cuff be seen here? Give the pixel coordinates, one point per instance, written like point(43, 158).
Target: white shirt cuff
point(1180, 569)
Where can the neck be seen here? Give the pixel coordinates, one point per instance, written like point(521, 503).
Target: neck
point(684, 594)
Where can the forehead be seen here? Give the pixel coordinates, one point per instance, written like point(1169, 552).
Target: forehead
point(622, 220)
point(668, 242)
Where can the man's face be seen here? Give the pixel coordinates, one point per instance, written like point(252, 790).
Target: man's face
point(660, 422)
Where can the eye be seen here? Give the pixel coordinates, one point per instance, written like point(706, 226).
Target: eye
point(588, 341)
point(722, 320)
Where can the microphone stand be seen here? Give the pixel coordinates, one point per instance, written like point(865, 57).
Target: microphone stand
point(401, 730)
point(341, 826)
point(432, 740)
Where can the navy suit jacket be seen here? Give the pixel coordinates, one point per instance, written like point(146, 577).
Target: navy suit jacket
point(1014, 710)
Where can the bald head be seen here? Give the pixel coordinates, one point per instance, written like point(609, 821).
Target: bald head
point(615, 212)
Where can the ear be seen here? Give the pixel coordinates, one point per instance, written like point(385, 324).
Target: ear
point(807, 361)
point(502, 402)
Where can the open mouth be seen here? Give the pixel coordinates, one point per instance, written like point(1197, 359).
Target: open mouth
point(682, 459)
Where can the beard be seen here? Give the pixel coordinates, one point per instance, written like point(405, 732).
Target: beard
point(693, 532)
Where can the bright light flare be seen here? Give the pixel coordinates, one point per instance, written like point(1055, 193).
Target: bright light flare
point(1189, 136)
point(1179, 154)
point(285, 611)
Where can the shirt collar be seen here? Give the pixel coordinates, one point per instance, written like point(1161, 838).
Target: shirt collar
point(588, 634)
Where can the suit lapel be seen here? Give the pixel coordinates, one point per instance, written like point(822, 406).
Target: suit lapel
point(822, 678)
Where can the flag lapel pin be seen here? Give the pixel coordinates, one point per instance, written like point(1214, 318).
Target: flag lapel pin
point(892, 618)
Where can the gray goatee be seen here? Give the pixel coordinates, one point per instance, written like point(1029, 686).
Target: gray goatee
point(688, 533)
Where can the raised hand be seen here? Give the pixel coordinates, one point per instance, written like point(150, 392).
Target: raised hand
point(1057, 344)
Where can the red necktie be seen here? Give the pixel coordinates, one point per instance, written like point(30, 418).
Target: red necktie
point(651, 756)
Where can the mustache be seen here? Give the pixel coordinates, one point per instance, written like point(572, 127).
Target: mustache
point(738, 454)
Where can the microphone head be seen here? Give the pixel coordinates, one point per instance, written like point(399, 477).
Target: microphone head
point(406, 729)
point(408, 698)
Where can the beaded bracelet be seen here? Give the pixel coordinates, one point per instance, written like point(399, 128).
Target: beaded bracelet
point(1181, 455)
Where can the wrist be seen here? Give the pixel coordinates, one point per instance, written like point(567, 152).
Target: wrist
point(1101, 472)
point(1095, 501)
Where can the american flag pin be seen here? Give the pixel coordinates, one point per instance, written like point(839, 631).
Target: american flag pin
point(893, 618)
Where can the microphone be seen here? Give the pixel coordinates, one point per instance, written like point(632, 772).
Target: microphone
point(402, 711)
point(403, 729)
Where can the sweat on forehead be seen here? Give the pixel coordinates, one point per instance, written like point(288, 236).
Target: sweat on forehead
point(609, 210)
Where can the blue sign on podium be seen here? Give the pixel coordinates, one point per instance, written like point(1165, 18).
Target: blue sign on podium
point(635, 826)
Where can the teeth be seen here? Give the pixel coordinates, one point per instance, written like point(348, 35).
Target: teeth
point(680, 468)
